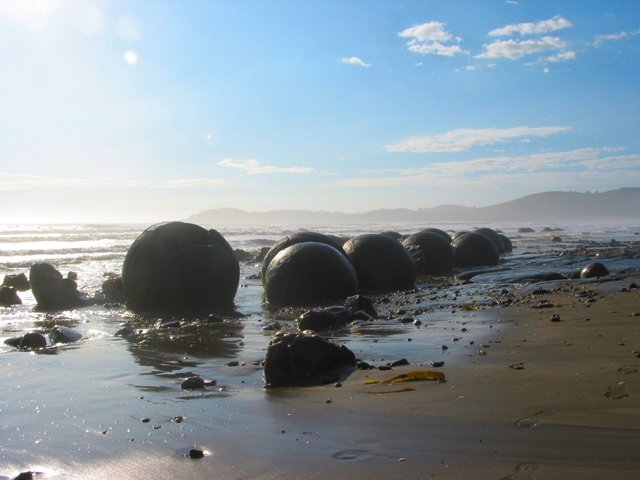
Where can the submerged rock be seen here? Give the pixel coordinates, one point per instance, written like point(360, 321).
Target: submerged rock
point(297, 356)
point(180, 268)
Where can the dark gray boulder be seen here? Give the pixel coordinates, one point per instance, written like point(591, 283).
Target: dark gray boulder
point(309, 273)
point(54, 292)
point(294, 239)
point(19, 281)
point(113, 290)
point(506, 241)
point(382, 263)
point(475, 250)
point(9, 296)
point(439, 255)
point(292, 357)
point(322, 319)
point(180, 268)
point(442, 233)
point(594, 270)
point(493, 235)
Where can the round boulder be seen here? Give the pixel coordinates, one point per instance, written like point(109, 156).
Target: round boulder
point(180, 268)
point(493, 235)
point(506, 241)
point(309, 273)
point(438, 253)
point(382, 263)
point(593, 270)
point(299, 237)
point(442, 233)
point(475, 250)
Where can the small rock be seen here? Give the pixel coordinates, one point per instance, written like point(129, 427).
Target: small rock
point(437, 364)
point(196, 453)
point(192, 383)
point(555, 318)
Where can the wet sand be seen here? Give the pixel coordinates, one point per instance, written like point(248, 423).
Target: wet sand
point(572, 411)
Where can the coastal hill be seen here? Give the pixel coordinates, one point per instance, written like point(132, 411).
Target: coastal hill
point(568, 207)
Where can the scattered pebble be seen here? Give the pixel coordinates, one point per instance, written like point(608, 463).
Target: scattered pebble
point(555, 317)
point(196, 453)
point(437, 364)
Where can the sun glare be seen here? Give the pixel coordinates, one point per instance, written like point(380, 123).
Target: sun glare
point(32, 12)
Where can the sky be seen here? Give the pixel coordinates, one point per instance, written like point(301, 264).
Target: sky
point(145, 111)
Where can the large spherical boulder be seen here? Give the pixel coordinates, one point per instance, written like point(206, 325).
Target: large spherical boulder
point(438, 252)
point(382, 263)
point(594, 270)
point(493, 235)
point(309, 273)
point(299, 237)
point(442, 233)
point(475, 250)
point(506, 242)
point(180, 268)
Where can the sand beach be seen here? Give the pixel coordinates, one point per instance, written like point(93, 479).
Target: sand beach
point(570, 411)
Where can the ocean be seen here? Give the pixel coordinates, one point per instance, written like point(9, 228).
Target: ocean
point(79, 403)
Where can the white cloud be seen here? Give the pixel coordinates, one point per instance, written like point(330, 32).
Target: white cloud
point(11, 181)
point(436, 48)
point(562, 57)
point(582, 165)
point(430, 38)
point(427, 32)
point(600, 39)
point(355, 61)
point(545, 26)
point(465, 138)
point(515, 49)
point(253, 167)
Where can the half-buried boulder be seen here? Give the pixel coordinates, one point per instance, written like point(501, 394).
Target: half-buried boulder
point(494, 236)
point(594, 270)
point(382, 263)
point(292, 357)
point(309, 273)
point(180, 268)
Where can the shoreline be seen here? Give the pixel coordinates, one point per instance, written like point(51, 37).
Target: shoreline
point(570, 412)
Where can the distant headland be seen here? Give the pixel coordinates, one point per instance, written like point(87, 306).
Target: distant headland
point(568, 207)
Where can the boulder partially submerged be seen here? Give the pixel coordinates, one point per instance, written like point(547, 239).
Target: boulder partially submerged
point(180, 268)
point(54, 292)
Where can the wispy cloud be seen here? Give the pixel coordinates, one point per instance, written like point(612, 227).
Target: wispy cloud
point(355, 61)
point(538, 28)
point(600, 39)
point(584, 165)
point(431, 38)
point(465, 138)
point(515, 49)
point(10, 181)
point(253, 167)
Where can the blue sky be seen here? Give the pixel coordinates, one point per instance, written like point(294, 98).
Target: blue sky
point(153, 110)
